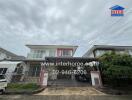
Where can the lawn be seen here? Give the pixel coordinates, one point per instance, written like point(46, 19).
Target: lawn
point(17, 87)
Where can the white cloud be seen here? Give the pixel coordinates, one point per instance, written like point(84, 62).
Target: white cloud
point(76, 22)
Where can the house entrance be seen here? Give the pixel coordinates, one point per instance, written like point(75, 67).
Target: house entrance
point(63, 72)
point(69, 74)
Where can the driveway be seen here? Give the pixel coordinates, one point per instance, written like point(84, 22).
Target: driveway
point(70, 91)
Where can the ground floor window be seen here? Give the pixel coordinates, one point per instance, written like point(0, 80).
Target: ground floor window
point(34, 70)
point(19, 70)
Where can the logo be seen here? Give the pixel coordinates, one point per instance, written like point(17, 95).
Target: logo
point(117, 11)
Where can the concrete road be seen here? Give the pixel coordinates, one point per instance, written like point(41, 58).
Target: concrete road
point(63, 97)
point(70, 91)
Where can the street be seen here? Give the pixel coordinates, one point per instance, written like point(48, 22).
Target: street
point(62, 97)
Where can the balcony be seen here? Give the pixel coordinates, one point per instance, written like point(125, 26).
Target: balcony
point(35, 56)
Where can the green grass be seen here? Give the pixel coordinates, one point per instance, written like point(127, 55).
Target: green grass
point(22, 87)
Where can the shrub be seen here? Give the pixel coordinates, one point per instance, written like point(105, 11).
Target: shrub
point(116, 68)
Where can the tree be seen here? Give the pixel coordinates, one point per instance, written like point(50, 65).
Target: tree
point(116, 68)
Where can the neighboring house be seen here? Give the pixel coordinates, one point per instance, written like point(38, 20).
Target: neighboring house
point(38, 53)
point(10, 64)
point(98, 50)
point(13, 70)
point(7, 55)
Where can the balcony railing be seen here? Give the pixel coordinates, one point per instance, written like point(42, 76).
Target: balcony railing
point(35, 56)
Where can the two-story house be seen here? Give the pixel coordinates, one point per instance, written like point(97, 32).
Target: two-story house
point(38, 53)
point(98, 50)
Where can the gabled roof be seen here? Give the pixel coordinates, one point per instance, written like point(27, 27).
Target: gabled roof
point(117, 7)
point(106, 47)
point(12, 55)
point(7, 52)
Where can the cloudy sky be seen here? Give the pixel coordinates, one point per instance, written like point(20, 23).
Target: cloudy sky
point(75, 22)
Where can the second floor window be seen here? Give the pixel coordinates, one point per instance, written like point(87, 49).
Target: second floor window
point(38, 53)
point(64, 52)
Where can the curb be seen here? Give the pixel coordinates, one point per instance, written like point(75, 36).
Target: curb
point(24, 92)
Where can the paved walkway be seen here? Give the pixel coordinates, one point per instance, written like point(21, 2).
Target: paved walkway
point(68, 82)
point(70, 91)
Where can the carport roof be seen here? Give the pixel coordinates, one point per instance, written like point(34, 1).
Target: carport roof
point(70, 59)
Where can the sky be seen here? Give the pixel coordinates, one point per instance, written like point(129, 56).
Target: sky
point(69, 22)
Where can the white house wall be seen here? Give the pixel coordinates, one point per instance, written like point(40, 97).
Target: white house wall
point(130, 52)
point(91, 55)
point(100, 52)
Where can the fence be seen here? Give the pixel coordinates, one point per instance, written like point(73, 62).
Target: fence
point(116, 81)
point(25, 77)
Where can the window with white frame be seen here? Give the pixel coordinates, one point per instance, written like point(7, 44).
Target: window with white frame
point(38, 53)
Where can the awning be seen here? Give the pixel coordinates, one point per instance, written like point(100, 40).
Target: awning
point(9, 62)
point(10, 65)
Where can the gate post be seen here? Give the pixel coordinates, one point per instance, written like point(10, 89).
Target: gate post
point(96, 79)
point(43, 77)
